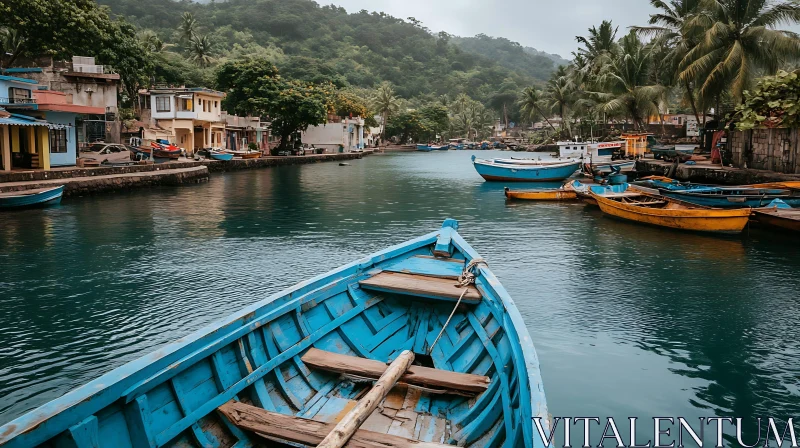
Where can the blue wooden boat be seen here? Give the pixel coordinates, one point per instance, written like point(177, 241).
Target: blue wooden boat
point(492, 171)
point(732, 197)
point(220, 156)
point(424, 148)
point(289, 366)
point(32, 198)
point(584, 191)
point(658, 182)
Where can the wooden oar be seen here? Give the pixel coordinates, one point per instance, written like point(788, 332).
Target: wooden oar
point(350, 423)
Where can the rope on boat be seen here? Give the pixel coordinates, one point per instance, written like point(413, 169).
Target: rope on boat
point(466, 278)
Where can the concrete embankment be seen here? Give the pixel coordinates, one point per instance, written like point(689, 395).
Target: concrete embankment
point(79, 181)
point(705, 173)
point(77, 186)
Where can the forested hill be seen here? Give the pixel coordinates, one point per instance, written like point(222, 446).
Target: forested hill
point(361, 49)
point(511, 55)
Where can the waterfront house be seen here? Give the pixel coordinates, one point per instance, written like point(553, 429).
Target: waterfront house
point(87, 84)
point(339, 134)
point(192, 115)
point(38, 127)
point(240, 132)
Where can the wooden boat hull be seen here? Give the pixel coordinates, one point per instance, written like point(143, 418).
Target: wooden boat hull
point(220, 156)
point(251, 155)
point(583, 191)
point(32, 198)
point(785, 219)
point(698, 220)
point(625, 166)
point(726, 198)
point(541, 195)
point(179, 394)
point(524, 173)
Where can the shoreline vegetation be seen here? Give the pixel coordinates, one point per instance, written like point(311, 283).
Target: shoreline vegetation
point(298, 63)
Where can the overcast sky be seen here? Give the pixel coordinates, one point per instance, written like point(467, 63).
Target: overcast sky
point(546, 25)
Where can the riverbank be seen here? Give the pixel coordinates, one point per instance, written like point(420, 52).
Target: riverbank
point(706, 173)
point(79, 181)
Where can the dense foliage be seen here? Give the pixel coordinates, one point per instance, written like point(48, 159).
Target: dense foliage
point(775, 102)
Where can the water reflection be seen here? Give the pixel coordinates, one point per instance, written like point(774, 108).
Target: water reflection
point(628, 320)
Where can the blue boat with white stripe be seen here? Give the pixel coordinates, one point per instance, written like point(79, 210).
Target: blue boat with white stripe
point(548, 172)
point(289, 367)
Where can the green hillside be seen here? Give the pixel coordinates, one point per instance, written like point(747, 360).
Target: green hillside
point(313, 42)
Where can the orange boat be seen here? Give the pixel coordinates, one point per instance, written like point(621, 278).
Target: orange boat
point(559, 194)
point(665, 212)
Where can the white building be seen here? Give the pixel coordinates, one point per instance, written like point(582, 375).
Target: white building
point(193, 115)
point(346, 133)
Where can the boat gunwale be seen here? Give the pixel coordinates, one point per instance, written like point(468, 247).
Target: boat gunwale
point(136, 371)
point(177, 355)
point(719, 213)
point(527, 167)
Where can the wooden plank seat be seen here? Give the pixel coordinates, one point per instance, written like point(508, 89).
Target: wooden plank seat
point(272, 426)
point(420, 286)
point(415, 375)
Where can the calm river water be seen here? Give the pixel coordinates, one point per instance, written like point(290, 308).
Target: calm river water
point(627, 320)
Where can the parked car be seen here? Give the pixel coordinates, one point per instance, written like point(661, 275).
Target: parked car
point(106, 152)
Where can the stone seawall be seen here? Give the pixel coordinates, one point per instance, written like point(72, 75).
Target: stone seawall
point(214, 166)
point(78, 186)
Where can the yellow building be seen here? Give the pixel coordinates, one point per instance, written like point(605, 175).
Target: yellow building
point(24, 142)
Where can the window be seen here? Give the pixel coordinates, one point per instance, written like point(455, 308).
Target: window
point(58, 141)
point(216, 104)
point(19, 95)
point(162, 104)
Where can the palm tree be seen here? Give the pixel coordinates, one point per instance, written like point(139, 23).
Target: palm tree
point(599, 46)
point(151, 41)
point(675, 29)
point(386, 103)
point(626, 85)
point(187, 28)
point(530, 106)
point(12, 44)
point(739, 38)
point(559, 93)
point(201, 51)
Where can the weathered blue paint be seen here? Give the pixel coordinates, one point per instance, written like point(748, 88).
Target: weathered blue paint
point(524, 173)
point(429, 148)
point(221, 156)
point(48, 197)
point(732, 197)
point(170, 397)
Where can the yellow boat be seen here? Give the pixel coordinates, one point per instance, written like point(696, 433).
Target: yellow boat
point(559, 194)
point(792, 185)
point(664, 212)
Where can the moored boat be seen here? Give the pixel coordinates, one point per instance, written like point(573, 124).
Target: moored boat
point(665, 212)
point(731, 197)
point(623, 166)
point(223, 156)
point(492, 171)
point(778, 215)
point(165, 151)
point(428, 148)
point(251, 155)
point(303, 357)
point(583, 191)
point(543, 194)
point(31, 198)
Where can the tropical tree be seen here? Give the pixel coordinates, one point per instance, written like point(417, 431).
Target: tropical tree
point(188, 28)
point(12, 44)
point(625, 80)
point(559, 94)
point(739, 39)
point(599, 46)
point(385, 103)
point(530, 106)
point(675, 29)
point(201, 51)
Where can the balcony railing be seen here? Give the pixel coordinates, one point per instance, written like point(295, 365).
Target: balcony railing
point(7, 101)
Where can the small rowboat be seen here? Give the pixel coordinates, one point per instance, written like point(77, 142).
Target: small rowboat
point(492, 171)
point(664, 212)
point(731, 197)
point(224, 156)
point(583, 191)
point(291, 366)
point(778, 215)
point(165, 151)
point(251, 155)
point(544, 194)
point(428, 148)
point(31, 198)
